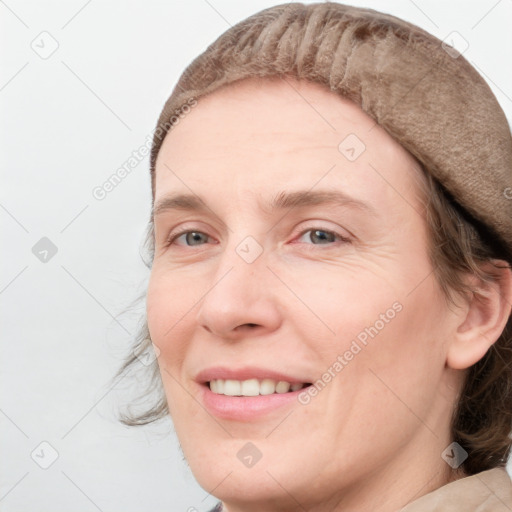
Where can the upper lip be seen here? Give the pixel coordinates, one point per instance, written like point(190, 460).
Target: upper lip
point(245, 373)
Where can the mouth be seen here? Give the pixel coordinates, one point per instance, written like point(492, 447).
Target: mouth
point(254, 387)
point(247, 394)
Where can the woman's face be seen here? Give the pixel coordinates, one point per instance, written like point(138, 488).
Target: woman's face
point(330, 286)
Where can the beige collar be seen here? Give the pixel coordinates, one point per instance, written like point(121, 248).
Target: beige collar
point(488, 491)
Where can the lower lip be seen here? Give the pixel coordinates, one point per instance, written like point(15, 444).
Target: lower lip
point(245, 407)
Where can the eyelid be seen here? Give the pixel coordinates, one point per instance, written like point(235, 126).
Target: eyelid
point(323, 225)
point(342, 238)
point(176, 234)
point(187, 226)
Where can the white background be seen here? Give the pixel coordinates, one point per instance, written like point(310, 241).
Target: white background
point(67, 123)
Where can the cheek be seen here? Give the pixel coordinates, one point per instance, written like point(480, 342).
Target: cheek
point(169, 303)
point(339, 300)
point(403, 362)
point(378, 317)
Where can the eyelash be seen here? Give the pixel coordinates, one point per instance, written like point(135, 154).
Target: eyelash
point(174, 236)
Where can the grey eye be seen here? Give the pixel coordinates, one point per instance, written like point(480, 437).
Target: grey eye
point(321, 236)
point(193, 237)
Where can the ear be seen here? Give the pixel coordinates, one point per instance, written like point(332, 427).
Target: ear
point(486, 315)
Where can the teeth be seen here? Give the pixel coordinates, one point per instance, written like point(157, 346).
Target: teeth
point(267, 387)
point(232, 387)
point(282, 387)
point(252, 387)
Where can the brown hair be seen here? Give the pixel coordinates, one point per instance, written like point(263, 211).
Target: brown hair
point(459, 242)
point(459, 245)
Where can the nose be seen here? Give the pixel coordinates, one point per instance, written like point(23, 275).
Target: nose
point(242, 299)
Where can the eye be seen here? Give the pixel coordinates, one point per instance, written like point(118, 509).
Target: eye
point(316, 235)
point(192, 238)
point(322, 236)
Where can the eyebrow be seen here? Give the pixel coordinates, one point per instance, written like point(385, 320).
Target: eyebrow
point(281, 201)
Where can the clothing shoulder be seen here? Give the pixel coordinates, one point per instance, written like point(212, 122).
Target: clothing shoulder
point(488, 491)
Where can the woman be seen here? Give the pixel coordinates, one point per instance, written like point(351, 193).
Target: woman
point(330, 289)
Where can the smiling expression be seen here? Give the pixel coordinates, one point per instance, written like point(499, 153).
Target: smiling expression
point(286, 225)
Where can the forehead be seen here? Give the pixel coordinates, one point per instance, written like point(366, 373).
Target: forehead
point(266, 134)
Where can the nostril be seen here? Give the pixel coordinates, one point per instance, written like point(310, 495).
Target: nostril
point(244, 327)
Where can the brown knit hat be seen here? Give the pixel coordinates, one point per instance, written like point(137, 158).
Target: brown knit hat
point(421, 91)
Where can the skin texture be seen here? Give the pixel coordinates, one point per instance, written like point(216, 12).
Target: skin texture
point(372, 438)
